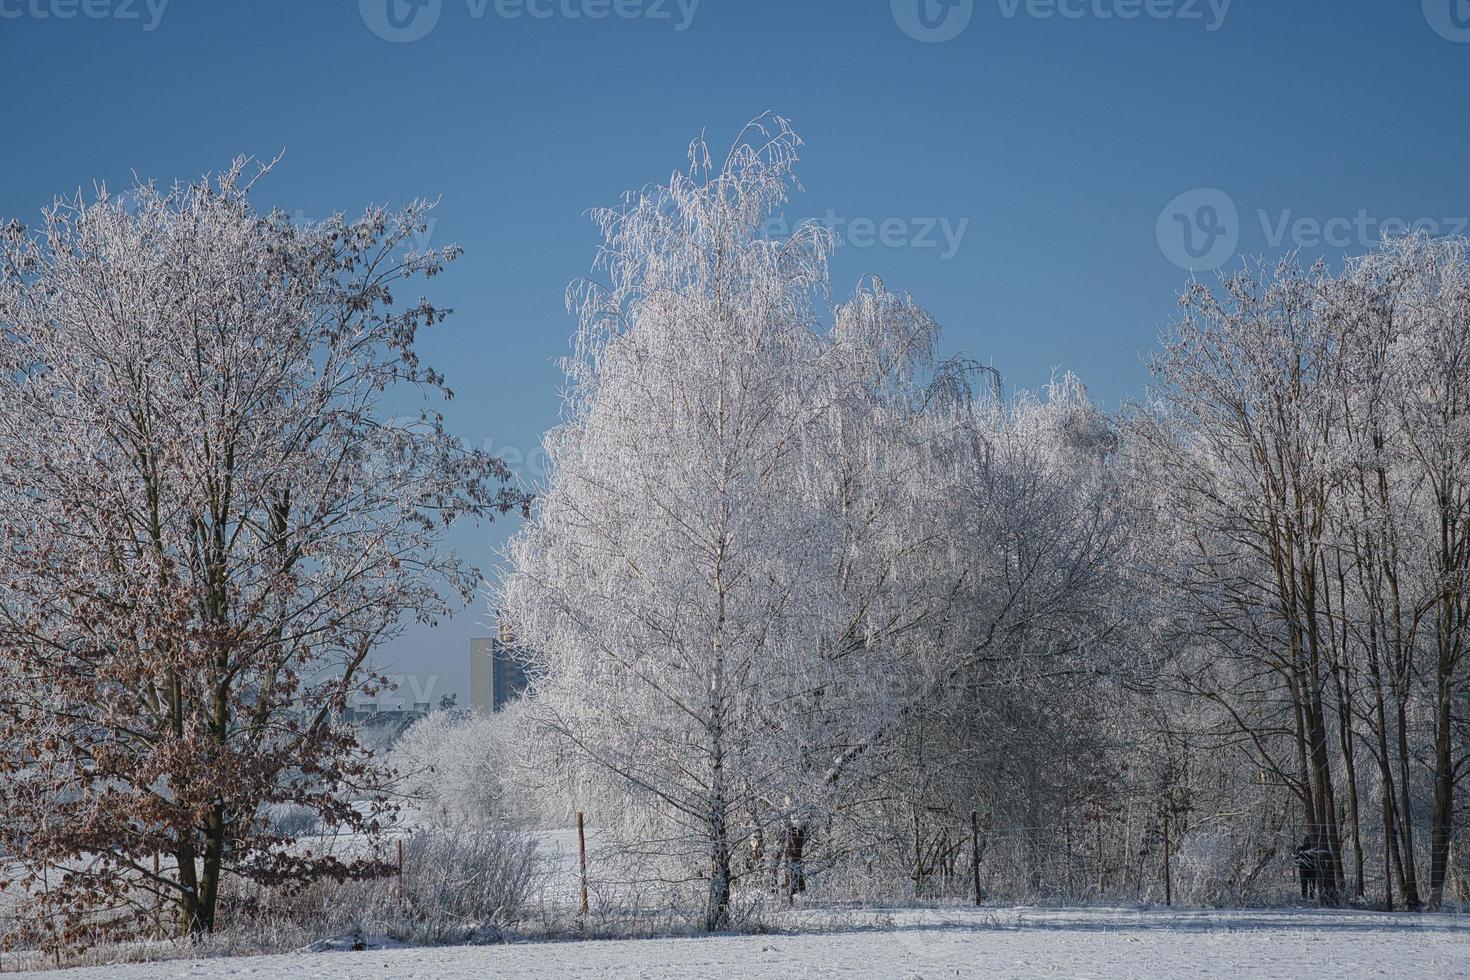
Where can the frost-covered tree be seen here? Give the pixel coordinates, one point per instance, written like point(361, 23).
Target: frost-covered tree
point(991, 724)
point(778, 539)
point(1240, 439)
point(715, 580)
point(1306, 460)
point(212, 512)
point(1403, 313)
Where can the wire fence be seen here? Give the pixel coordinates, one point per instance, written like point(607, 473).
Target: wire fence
point(1202, 867)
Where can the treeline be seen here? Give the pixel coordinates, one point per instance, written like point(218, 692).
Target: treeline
point(811, 608)
point(1308, 461)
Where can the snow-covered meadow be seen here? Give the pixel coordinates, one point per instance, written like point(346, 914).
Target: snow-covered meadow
point(1022, 943)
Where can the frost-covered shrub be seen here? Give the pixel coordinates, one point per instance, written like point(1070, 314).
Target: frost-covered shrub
point(1204, 868)
point(291, 820)
point(460, 884)
point(456, 886)
point(456, 767)
point(1459, 872)
point(474, 770)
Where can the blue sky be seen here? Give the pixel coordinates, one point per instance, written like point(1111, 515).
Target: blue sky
point(1039, 173)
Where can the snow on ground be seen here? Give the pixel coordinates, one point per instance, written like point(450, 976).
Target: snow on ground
point(1021, 943)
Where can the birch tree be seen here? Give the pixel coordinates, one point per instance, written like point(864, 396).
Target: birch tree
point(725, 528)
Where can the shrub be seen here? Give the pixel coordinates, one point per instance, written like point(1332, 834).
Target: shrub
point(456, 886)
point(454, 767)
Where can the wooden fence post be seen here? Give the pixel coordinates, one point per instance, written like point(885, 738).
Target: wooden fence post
point(582, 857)
point(1168, 878)
point(157, 900)
point(975, 853)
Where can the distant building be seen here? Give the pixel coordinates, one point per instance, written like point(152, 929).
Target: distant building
point(497, 673)
point(396, 716)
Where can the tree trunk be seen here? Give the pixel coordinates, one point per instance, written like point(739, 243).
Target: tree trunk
point(190, 922)
point(1410, 884)
point(1342, 679)
point(1388, 844)
point(214, 853)
point(975, 855)
point(717, 907)
point(794, 859)
point(1349, 759)
point(1444, 795)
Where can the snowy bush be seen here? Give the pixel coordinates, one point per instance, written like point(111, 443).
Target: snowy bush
point(459, 885)
point(456, 768)
point(456, 886)
point(291, 820)
point(1206, 868)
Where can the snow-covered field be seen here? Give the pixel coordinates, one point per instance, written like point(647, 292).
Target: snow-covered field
point(1021, 943)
